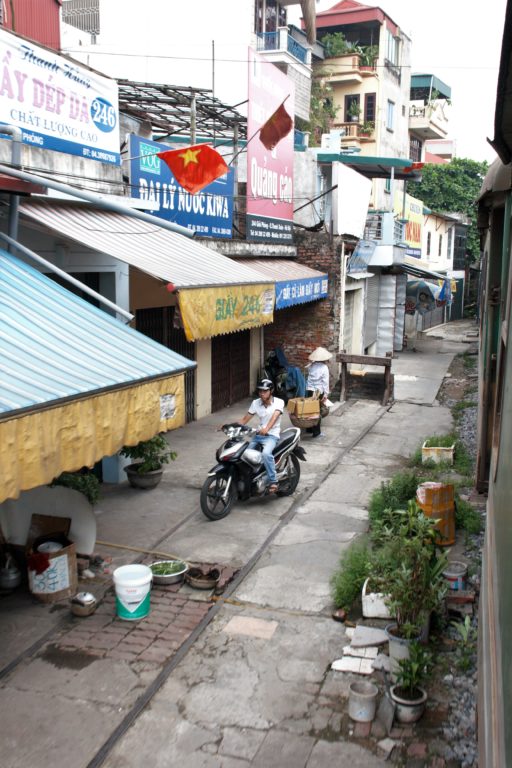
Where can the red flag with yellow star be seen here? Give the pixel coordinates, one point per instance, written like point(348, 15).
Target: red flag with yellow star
point(194, 167)
point(276, 128)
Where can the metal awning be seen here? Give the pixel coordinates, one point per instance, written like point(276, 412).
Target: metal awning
point(295, 283)
point(172, 110)
point(375, 167)
point(179, 260)
point(360, 275)
point(410, 269)
point(202, 277)
point(426, 86)
point(75, 383)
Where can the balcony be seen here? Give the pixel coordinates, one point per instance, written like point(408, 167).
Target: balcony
point(428, 121)
point(283, 48)
point(348, 69)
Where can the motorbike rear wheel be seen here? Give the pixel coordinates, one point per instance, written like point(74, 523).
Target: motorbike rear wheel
point(289, 483)
point(213, 504)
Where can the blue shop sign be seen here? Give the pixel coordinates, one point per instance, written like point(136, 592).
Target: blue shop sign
point(290, 292)
point(209, 213)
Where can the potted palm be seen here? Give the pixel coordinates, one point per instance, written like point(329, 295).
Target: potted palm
point(407, 693)
point(353, 111)
point(149, 457)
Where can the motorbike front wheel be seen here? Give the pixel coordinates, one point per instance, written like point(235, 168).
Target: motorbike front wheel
point(213, 503)
point(290, 482)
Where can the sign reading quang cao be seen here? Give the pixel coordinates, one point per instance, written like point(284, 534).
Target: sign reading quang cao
point(57, 103)
point(209, 212)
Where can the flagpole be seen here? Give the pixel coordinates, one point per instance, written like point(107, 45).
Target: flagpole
point(256, 133)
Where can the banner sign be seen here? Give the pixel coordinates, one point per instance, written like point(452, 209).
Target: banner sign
point(290, 292)
point(269, 172)
point(207, 312)
point(209, 212)
point(58, 103)
point(412, 212)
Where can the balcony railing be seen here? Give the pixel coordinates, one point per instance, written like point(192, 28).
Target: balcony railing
point(280, 40)
point(384, 227)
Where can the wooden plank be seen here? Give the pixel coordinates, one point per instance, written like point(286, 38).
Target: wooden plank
point(364, 360)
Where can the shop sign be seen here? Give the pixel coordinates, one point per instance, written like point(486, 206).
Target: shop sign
point(209, 213)
point(57, 103)
point(269, 172)
point(301, 291)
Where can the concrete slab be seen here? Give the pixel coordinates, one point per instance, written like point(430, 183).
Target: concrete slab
point(250, 626)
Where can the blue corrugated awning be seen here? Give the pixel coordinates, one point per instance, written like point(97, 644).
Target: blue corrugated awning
point(361, 257)
point(54, 346)
point(295, 283)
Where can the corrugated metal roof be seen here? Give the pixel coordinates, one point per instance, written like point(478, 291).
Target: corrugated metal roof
point(158, 252)
point(55, 346)
point(284, 269)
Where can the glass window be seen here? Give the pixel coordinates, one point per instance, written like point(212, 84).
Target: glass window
point(370, 102)
point(390, 121)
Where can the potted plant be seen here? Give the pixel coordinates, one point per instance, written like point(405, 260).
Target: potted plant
point(407, 693)
point(367, 56)
point(353, 111)
point(416, 586)
point(367, 128)
point(150, 456)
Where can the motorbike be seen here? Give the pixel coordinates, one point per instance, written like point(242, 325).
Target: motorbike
point(240, 473)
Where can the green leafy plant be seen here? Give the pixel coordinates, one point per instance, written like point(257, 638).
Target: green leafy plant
point(347, 581)
point(393, 494)
point(466, 649)
point(368, 54)
point(353, 110)
point(413, 671)
point(367, 127)
point(149, 455)
point(417, 586)
point(466, 516)
point(336, 44)
point(84, 481)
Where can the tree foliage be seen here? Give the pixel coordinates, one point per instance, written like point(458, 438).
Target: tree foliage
point(453, 188)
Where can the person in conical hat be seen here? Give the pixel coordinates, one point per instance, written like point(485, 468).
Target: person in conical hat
point(318, 380)
point(320, 355)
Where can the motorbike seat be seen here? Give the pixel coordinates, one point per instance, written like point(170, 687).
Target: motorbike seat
point(287, 437)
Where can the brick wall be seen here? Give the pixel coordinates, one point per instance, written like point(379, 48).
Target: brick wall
point(301, 328)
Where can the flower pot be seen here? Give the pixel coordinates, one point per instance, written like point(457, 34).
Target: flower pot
point(374, 605)
point(362, 701)
point(399, 646)
point(143, 480)
point(408, 710)
point(437, 454)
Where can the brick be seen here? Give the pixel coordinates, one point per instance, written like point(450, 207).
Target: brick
point(152, 654)
point(122, 655)
point(362, 730)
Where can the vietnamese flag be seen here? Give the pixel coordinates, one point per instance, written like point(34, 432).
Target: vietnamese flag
point(276, 128)
point(194, 167)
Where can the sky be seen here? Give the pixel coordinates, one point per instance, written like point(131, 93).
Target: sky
point(459, 41)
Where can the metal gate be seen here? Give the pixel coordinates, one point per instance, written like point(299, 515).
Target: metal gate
point(371, 311)
point(231, 379)
point(158, 324)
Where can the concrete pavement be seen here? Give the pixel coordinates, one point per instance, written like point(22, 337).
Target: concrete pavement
point(250, 684)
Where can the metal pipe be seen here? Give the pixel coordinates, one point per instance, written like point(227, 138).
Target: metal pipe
point(101, 202)
point(48, 265)
point(17, 136)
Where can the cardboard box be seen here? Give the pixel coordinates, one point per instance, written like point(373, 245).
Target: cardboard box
point(52, 573)
point(304, 406)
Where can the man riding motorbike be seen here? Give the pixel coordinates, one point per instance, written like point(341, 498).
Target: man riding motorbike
point(268, 409)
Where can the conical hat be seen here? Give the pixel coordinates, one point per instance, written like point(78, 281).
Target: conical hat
point(319, 355)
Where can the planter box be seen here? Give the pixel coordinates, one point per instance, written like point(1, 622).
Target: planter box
point(437, 454)
point(374, 606)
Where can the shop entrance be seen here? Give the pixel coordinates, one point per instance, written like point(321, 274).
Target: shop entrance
point(230, 369)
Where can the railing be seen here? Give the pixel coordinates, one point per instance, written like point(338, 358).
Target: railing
point(273, 41)
point(375, 228)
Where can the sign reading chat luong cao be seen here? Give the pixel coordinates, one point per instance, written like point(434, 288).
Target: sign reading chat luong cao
point(57, 103)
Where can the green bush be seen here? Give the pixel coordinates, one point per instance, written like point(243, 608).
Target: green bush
point(467, 517)
point(347, 582)
point(85, 482)
point(393, 494)
point(149, 455)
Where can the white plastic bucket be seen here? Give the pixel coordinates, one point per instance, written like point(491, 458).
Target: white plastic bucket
point(455, 574)
point(362, 701)
point(133, 585)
